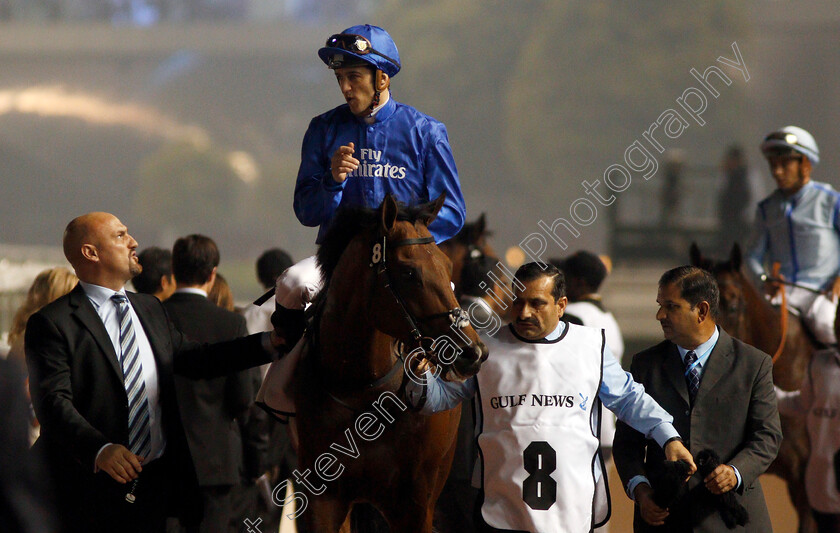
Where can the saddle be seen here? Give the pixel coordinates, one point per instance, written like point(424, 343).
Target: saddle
point(276, 394)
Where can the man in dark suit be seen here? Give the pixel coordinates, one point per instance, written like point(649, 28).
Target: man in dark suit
point(720, 393)
point(209, 408)
point(101, 364)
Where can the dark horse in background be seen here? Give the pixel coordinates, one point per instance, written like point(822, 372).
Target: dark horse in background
point(747, 315)
point(387, 291)
point(455, 509)
point(469, 243)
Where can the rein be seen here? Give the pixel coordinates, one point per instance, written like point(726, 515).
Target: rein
point(784, 315)
point(378, 257)
point(457, 316)
point(384, 380)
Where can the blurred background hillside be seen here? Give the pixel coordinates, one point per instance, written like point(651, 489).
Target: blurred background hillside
point(185, 116)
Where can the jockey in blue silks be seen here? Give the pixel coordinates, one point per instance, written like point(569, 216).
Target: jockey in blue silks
point(353, 156)
point(360, 151)
point(372, 145)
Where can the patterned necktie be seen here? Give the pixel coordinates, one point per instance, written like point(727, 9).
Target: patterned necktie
point(692, 376)
point(139, 425)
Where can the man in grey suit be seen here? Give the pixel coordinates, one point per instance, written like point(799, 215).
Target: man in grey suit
point(720, 393)
point(209, 408)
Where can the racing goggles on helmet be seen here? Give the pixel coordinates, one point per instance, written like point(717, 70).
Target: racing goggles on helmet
point(781, 144)
point(356, 44)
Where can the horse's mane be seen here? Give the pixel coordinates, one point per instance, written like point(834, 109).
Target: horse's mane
point(349, 222)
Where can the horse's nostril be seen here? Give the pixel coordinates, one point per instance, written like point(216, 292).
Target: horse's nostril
point(480, 351)
point(477, 353)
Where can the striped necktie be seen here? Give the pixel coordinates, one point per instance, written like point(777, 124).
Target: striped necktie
point(139, 424)
point(692, 374)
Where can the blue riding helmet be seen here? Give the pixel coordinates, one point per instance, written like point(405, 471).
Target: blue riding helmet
point(364, 43)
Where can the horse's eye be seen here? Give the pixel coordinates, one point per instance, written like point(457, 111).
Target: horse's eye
point(410, 276)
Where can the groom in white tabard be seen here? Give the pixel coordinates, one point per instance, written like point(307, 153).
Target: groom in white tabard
point(540, 394)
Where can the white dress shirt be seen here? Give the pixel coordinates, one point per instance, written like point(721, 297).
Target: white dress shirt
point(100, 297)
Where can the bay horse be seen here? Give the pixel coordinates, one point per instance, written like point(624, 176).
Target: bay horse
point(386, 291)
point(469, 243)
point(747, 315)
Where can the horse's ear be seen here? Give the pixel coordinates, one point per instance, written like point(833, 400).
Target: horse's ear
point(389, 212)
point(480, 225)
point(735, 257)
point(695, 255)
point(430, 210)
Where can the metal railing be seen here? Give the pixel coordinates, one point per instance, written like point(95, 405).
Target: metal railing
point(660, 218)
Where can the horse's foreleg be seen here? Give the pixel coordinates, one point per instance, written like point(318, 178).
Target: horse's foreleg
point(326, 515)
point(790, 466)
point(411, 518)
point(410, 510)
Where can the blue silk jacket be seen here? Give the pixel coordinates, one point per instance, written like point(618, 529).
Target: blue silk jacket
point(404, 152)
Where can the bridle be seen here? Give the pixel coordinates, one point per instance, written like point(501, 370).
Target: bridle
point(736, 308)
point(783, 312)
point(457, 316)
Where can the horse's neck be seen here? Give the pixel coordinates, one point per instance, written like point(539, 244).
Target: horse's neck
point(762, 328)
point(352, 351)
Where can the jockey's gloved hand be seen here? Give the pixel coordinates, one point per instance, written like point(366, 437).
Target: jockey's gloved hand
point(289, 324)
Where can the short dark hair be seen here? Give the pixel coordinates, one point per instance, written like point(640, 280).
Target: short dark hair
point(695, 285)
point(193, 259)
point(585, 266)
point(271, 264)
point(535, 270)
point(475, 272)
point(156, 263)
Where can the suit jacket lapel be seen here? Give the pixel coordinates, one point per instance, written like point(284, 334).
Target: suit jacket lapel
point(675, 370)
point(717, 366)
point(85, 313)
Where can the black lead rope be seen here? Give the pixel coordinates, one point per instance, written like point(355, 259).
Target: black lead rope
point(384, 380)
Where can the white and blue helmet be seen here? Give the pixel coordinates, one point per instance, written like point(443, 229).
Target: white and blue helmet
point(791, 139)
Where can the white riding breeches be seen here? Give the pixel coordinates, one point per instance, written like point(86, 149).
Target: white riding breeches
point(816, 310)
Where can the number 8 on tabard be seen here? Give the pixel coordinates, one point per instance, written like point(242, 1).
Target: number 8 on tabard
point(539, 490)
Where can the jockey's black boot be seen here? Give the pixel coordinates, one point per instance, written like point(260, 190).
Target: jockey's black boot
point(290, 323)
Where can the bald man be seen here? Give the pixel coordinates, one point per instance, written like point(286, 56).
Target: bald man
point(101, 363)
